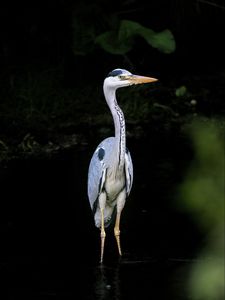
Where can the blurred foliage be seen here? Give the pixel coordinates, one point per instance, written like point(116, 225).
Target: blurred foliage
point(136, 103)
point(38, 97)
point(121, 41)
point(202, 195)
point(203, 190)
point(36, 110)
point(113, 34)
point(181, 91)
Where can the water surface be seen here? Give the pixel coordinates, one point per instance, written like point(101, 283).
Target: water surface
point(51, 248)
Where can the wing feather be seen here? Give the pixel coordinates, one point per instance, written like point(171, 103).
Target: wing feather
point(98, 167)
point(96, 177)
point(128, 172)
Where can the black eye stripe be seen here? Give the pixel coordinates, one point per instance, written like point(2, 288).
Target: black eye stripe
point(115, 73)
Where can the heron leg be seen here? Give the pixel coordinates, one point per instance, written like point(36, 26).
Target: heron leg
point(117, 232)
point(102, 201)
point(120, 205)
point(103, 234)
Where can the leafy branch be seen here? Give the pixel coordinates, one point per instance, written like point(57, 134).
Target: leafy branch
point(122, 40)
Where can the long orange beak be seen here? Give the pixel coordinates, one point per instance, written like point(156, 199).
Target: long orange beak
point(136, 79)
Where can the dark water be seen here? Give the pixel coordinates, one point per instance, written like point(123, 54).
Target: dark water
point(50, 247)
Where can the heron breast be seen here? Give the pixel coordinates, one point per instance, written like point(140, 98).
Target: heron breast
point(114, 185)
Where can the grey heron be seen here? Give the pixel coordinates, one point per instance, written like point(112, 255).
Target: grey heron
point(110, 174)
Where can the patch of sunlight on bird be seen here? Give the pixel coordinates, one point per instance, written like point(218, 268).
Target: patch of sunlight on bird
point(202, 196)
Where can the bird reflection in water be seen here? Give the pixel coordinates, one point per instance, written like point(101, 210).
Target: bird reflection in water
point(107, 283)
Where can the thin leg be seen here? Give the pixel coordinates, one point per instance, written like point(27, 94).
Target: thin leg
point(103, 234)
point(102, 201)
point(120, 204)
point(117, 232)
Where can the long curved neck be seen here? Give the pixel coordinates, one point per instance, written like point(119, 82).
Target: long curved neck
point(119, 124)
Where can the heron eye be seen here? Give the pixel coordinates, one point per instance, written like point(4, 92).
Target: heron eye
point(122, 77)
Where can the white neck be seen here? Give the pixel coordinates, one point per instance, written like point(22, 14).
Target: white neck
point(119, 123)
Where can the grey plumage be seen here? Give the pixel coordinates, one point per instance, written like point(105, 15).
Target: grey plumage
point(110, 174)
point(97, 177)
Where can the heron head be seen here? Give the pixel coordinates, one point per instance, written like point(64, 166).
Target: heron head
point(120, 78)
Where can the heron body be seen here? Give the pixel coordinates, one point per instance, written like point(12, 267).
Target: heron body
point(108, 179)
point(110, 174)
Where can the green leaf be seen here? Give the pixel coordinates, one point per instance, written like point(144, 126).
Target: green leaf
point(111, 43)
point(120, 41)
point(181, 91)
point(163, 41)
point(128, 29)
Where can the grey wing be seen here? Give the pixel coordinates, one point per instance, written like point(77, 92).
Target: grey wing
point(128, 172)
point(96, 175)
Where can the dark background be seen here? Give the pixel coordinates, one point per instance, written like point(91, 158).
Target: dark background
point(41, 35)
point(40, 31)
point(53, 115)
point(46, 85)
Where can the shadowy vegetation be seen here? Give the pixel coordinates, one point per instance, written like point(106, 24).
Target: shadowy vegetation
point(202, 195)
point(53, 68)
point(122, 40)
point(38, 109)
point(54, 57)
point(92, 28)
